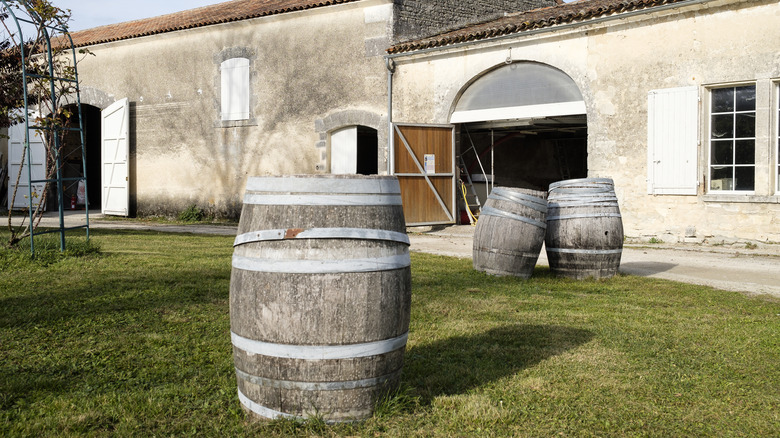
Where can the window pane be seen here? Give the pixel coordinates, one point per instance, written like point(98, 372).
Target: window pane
point(722, 100)
point(721, 178)
point(723, 126)
point(746, 126)
point(745, 152)
point(745, 178)
point(722, 152)
point(746, 98)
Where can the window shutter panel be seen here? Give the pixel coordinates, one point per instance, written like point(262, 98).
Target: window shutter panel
point(672, 140)
point(235, 89)
point(343, 151)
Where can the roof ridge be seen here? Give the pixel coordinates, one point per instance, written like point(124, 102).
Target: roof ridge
point(545, 17)
point(224, 12)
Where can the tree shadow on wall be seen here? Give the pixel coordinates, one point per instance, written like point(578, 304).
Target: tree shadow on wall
point(456, 365)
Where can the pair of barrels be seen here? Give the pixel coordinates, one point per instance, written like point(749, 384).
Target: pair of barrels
point(578, 221)
point(320, 295)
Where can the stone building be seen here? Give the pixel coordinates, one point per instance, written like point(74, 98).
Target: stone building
point(189, 104)
point(676, 100)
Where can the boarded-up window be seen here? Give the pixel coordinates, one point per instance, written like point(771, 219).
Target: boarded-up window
point(235, 89)
point(672, 140)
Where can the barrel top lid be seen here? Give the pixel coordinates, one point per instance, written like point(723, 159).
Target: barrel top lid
point(585, 182)
point(325, 184)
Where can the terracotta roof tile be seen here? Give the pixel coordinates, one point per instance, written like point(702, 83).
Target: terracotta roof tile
point(234, 10)
point(581, 10)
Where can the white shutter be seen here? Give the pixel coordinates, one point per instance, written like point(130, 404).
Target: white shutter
point(343, 151)
point(672, 141)
point(16, 161)
point(115, 147)
point(235, 89)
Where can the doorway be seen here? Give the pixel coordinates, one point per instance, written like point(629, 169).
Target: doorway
point(72, 162)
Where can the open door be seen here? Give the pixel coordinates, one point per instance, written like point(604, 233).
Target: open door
point(17, 159)
point(424, 163)
point(115, 127)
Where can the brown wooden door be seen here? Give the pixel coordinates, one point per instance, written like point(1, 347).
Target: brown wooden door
point(424, 162)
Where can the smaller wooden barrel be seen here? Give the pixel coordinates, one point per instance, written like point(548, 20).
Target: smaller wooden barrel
point(510, 232)
point(320, 295)
point(584, 228)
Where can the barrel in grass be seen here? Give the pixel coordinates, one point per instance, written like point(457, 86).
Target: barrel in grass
point(510, 232)
point(584, 228)
point(320, 295)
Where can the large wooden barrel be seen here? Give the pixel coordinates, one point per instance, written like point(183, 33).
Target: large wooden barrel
point(510, 232)
point(584, 228)
point(320, 295)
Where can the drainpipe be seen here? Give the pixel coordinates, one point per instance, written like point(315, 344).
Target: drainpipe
point(390, 64)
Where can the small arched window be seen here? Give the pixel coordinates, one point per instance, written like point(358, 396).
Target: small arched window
point(235, 90)
point(353, 150)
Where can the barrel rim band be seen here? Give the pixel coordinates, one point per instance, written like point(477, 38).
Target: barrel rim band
point(308, 184)
point(500, 192)
point(582, 216)
point(538, 206)
point(585, 251)
point(376, 199)
point(491, 211)
point(333, 266)
point(262, 410)
point(321, 233)
point(525, 254)
point(581, 181)
point(318, 352)
point(317, 386)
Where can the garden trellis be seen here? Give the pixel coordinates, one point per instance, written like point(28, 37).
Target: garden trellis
point(52, 38)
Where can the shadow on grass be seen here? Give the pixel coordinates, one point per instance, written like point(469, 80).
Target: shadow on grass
point(138, 283)
point(458, 364)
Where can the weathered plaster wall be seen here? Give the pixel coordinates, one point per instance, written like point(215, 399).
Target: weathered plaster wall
point(616, 64)
point(304, 67)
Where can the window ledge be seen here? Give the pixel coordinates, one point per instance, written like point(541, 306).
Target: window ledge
point(733, 198)
point(236, 123)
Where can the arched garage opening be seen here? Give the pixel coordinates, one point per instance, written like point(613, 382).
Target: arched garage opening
point(523, 125)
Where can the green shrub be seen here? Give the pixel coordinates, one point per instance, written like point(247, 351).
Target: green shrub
point(192, 214)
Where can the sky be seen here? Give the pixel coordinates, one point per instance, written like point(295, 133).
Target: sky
point(93, 13)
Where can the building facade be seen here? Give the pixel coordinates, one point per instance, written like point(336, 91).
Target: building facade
point(676, 101)
point(246, 87)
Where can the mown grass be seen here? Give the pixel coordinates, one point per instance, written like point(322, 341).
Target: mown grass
point(132, 339)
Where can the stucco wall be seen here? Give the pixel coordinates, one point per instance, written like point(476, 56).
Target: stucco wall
point(305, 66)
point(616, 64)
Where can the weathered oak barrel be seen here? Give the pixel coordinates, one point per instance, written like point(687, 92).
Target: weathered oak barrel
point(584, 228)
point(510, 232)
point(320, 295)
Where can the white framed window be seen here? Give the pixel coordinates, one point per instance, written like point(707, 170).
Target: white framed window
point(235, 91)
point(732, 139)
point(777, 139)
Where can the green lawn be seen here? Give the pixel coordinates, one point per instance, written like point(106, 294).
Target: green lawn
point(135, 341)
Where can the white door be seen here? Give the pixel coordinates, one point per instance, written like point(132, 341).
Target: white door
point(115, 126)
point(17, 159)
point(343, 151)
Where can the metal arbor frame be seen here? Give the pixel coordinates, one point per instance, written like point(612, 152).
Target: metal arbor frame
point(35, 20)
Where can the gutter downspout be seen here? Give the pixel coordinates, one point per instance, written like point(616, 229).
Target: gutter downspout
point(390, 64)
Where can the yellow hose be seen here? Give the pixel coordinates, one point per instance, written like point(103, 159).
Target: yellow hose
point(472, 218)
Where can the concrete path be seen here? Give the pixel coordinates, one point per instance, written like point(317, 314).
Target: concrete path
point(732, 267)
